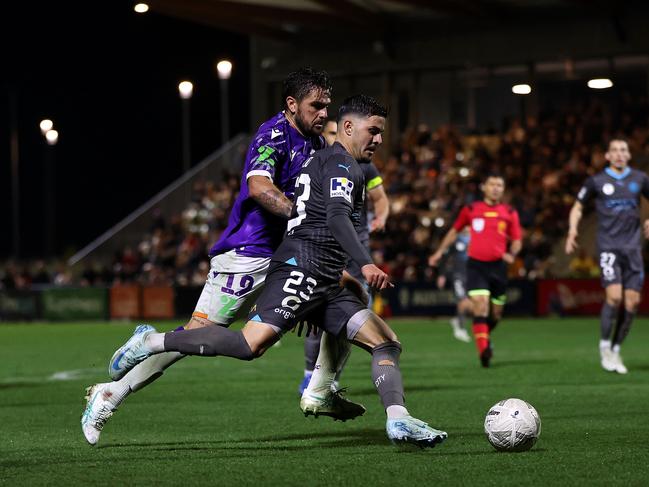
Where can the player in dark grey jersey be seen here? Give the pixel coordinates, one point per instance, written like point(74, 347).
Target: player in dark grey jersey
point(304, 276)
point(336, 357)
point(453, 269)
point(617, 192)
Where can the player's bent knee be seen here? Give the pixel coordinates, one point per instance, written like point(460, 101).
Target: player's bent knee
point(256, 351)
point(259, 337)
point(368, 330)
point(614, 301)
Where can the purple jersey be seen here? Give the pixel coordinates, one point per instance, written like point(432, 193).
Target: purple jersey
point(277, 151)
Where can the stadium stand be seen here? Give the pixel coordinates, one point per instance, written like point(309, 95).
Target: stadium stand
point(428, 178)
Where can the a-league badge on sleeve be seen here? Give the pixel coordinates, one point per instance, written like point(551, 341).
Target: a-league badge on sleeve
point(341, 187)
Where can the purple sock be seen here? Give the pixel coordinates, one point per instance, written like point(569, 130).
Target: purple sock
point(180, 328)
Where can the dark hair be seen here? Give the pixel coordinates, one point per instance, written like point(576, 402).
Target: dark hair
point(617, 139)
point(362, 105)
point(492, 174)
point(300, 83)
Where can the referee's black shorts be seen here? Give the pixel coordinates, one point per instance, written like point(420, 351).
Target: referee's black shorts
point(487, 279)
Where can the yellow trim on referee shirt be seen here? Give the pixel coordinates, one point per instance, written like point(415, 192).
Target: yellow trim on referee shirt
point(479, 292)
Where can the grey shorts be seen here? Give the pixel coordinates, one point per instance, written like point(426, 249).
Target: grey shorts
point(622, 267)
point(292, 294)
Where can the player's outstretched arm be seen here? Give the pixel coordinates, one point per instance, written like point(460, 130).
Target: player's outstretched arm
point(264, 192)
point(448, 239)
point(575, 217)
point(514, 250)
point(381, 208)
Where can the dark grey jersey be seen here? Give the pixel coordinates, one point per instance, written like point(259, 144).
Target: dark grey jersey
point(617, 202)
point(330, 186)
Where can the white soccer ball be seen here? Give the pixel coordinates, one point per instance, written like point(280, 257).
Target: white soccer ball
point(512, 425)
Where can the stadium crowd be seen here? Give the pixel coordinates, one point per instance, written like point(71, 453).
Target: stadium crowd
point(428, 177)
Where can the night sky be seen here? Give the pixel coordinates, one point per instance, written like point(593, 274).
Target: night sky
point(109, 83)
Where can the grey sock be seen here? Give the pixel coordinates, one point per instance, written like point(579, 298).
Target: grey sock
point(209, 341)
point(623, 327)
point(387, 375)
point(606, 320)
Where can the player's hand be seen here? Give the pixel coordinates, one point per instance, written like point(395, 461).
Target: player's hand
point(377, 225)
point(571, 242)
point(375, 277)
point(509, 258)
point(645, 226)
point(434, 259)
point(441, 282)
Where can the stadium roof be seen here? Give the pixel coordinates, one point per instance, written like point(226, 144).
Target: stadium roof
point(292, 19)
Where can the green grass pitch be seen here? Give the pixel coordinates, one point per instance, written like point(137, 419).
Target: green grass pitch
point(218, 421)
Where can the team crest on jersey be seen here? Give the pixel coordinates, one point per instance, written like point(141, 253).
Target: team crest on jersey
point(477, 224)
point(634, 187)
point(341, 188)
point(608, 189)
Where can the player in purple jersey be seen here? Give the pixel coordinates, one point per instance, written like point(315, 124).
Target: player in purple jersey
point(616, 192)
point(303, 278)
point(240, 259)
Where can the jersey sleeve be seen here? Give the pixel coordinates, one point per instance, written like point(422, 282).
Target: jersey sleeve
point(339, 193)
point(645, 186)
point(514, 230)
point(264, 154)
point(372, 177)
point(587, 190)
point(462, 220)
point(338, 188)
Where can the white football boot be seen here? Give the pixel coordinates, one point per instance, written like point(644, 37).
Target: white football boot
point(607, 359)
point(458, 332)
point(330, 403)
point(619, 365)
point(98, 410)
point(409, 430)
point(131, 353)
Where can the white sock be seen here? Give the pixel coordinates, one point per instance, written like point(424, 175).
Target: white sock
point(605, 344)
point(326, 366)
point(117, 391)
point(155, 342)
point(150, 369)
point(616, 348)
point(395, 412)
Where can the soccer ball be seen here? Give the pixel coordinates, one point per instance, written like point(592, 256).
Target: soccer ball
point(512, 425)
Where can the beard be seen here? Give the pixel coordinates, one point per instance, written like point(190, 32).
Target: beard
point(303, 126)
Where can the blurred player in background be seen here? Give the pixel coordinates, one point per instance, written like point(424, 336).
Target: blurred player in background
point(240, 259)
point(329, 132)
point(380, 211)
point(616, 192)
point(304, 275)
point(494, 226)
point(453, 269)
